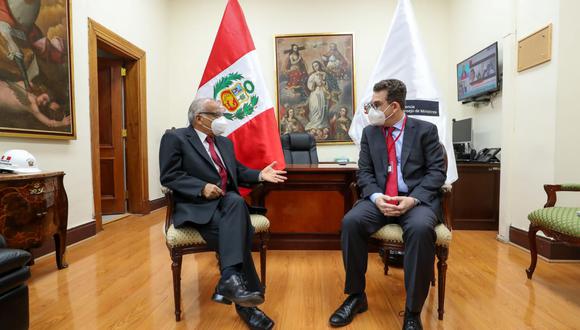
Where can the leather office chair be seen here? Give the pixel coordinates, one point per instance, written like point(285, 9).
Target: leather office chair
point(299, 148)
point(390, 237)
point(14, 273)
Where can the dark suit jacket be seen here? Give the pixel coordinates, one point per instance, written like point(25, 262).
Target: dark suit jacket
point(186, 167)
point(422, 162)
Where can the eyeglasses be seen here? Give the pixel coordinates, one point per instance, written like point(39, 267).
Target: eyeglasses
point(213, 114)
point(374, 106)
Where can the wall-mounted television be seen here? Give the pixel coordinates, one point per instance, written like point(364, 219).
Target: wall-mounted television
point(478, 75)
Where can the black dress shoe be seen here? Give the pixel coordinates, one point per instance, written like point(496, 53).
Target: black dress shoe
point(255, 318)
point(354, 304)
point(412, 321)
point(234, 290)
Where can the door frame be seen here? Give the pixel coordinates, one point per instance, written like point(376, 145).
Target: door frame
point(136, 118)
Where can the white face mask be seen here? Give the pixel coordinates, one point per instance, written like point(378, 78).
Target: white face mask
point(377, 117)
point(218, 126)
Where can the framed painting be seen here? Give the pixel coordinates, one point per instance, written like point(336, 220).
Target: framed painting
point(36, 89)
point(315, 85)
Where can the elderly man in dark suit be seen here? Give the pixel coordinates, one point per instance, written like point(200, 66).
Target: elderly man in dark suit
point(401, 168)
point(202, 170)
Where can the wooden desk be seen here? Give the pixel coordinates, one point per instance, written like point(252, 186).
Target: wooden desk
point(475, 197)
point(33, 208)
point(306, 211)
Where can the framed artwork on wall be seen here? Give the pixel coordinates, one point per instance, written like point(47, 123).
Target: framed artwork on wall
point(315, 85)
point(36, 88)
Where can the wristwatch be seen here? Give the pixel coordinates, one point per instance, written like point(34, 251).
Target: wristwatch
point(417, 202)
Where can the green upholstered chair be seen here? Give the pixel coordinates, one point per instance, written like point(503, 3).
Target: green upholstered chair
point(188, 240)
point(560, 223)
point(390, 237)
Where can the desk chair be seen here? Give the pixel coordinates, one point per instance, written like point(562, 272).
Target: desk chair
point(299, 148)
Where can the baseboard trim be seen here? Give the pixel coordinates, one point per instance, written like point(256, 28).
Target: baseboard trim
point(73, 235)
point(157, 203)
point(551, 250)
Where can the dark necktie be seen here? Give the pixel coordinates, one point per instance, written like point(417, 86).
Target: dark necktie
point(392, 189)
point(216, 159)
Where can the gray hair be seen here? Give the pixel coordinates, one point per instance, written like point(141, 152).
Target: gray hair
point(196, 107)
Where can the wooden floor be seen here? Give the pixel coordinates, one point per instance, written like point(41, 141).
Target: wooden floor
point(121, 279)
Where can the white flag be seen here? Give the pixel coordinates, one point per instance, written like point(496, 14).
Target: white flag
point(403, 58)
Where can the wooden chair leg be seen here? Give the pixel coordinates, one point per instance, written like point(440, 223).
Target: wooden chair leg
point(176, 270)
point(442, 254)
point(433, 278)
point(532, 231)
point(264, 239)
point(385, 257)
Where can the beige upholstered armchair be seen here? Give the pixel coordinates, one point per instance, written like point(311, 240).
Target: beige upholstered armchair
point(390, 237)
point(188, 240)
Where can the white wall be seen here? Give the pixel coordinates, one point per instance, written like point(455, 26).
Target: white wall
point(194, 24)
point(568, 111)
point(142, 23)
point(534, 117)
point(531, 158)
point(475, 25)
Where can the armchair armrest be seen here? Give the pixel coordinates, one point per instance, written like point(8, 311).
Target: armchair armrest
point(257, 210)
point(11, 259)
point(446, 191)
point(551, 190)
point(170, 204)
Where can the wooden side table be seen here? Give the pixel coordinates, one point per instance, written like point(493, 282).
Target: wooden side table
point(34, 207)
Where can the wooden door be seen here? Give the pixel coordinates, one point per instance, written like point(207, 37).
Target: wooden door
point(111, 142)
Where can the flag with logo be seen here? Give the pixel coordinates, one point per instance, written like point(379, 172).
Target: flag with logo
point(403, 58)
point(233, 77)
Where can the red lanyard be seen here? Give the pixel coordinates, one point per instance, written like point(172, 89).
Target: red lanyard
point(398, 136)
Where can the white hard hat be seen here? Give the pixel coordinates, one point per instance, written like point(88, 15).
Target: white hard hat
point(18, 161)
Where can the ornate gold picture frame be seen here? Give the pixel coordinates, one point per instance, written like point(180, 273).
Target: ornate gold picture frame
point(315, 85)
point(36, 69)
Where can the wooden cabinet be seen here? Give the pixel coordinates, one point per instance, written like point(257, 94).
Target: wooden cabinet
point(475, 198)
point(33, 208)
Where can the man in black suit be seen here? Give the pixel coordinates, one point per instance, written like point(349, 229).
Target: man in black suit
point(401, 169)
point(202, 170)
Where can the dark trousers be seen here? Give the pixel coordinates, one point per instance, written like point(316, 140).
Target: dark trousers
point(230, 233)
point(418, 225)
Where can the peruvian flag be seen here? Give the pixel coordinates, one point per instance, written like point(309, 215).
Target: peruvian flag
point(233, 77)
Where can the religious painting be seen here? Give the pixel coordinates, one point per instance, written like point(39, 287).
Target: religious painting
point(315, 85)
point(36, 90)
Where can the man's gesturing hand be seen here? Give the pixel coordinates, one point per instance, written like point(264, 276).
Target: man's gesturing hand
point(271, 175)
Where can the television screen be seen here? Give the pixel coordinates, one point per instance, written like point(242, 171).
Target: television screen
point(478, 75)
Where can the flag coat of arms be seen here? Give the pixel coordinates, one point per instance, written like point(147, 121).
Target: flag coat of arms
point(233, 77)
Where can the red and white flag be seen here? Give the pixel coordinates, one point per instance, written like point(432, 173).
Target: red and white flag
point(233, 77)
